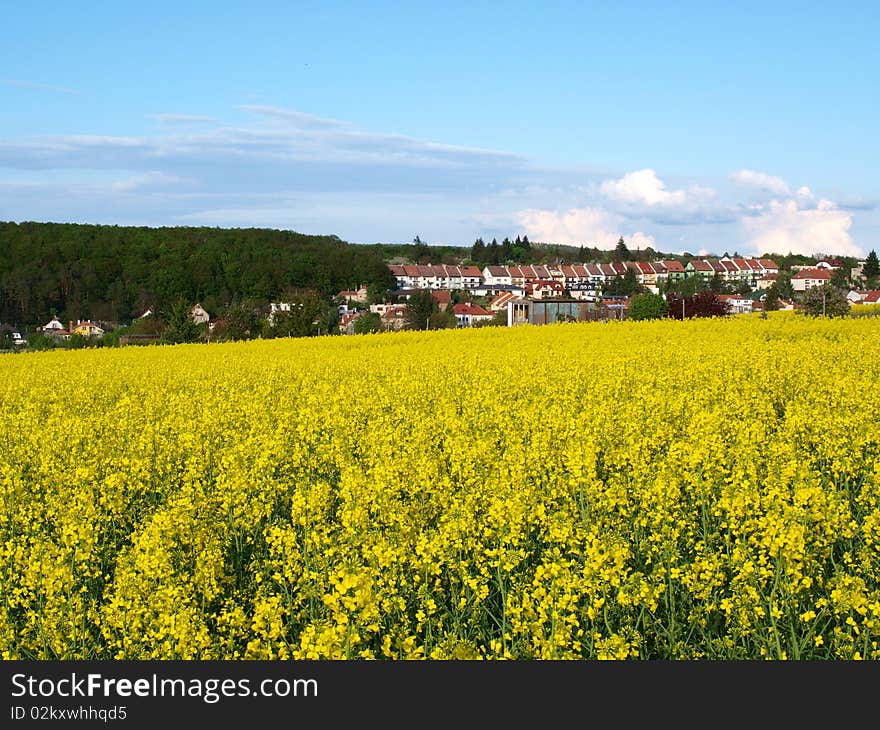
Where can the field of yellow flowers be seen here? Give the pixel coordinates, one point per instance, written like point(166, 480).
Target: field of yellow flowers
point(707, 489)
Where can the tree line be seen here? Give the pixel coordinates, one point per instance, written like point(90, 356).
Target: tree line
point(115, 273)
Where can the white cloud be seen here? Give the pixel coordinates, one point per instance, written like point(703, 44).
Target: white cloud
point(181, 118)
point(643, 187)
point(785, 226)
point(577, 226)
point(760, 180)
point(38, 86)
point(145, 180)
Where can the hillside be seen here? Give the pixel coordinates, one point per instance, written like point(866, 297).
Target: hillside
point(116, 272)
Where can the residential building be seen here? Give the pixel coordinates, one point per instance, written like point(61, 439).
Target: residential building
point(394, 317)
point(85, 329)
point(354, 295)
point(808, 278)
point(468, 314)
point(737, 304)
point(199, 315)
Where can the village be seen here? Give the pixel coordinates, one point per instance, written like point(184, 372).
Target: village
point(506, 295)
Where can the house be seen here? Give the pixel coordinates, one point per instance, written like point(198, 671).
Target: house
point(354, 295)
point(737, 304)
point(275, 308)
point(199, 315)
point(53, 325)
point(85, 329)
point(830, 264)
point(545, 289)
point(675, 270)
point(855, 296)
point(500, 301)
point(346, 322)
point(496, 275)
point(808, 278)
point(469, 314)
point(769, 266)
point(394, 317)
point(442, 297)
point(871, 297)
point(698, 267)
point(766, 281)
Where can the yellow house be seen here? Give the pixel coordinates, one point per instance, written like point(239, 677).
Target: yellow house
point(86, 329)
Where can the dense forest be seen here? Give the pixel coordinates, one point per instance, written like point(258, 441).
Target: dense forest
point(114, 273)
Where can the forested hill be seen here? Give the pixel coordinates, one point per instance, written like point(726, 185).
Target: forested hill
point(115, 272)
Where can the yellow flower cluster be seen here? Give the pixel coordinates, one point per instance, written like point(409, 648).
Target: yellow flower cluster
point(706, 489)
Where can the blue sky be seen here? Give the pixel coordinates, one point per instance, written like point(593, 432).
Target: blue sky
point(683, 126)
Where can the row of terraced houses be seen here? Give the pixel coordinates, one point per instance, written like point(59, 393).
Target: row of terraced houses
point(758, 273)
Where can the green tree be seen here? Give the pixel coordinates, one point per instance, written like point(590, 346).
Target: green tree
point(784, 285)
point(305, 317)
point(771, 298)
point(621, 252)
point(240, 320)
point(442, 320)
point(871, 267)
point(420, 250)
point(648, 306)
point(377, 294)
point(626, 285)
point(478, 250)
point(839, 279)
point(179, 324)
point(366, 323)
point(823, 301)
point(419, 308)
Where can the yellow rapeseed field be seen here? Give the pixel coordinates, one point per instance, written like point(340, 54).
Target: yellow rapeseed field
point(706, 489)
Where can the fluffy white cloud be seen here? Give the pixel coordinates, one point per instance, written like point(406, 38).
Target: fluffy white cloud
point(785, 226)
point(760, 180)
point(576, 226)
point(643, 187)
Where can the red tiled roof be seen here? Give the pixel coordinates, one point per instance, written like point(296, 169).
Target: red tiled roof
point(471, 271)
point(411, 270)
point(581, 271)
point(812, 274)
point(397, 269)
point(700, 265)
point(754, 264)
point(471, 309)
point(594, 270)
point(728, 265)
point(497, 270)
point(768, 264)
point(673, 266)
point(872, 297)
point(716, 265)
